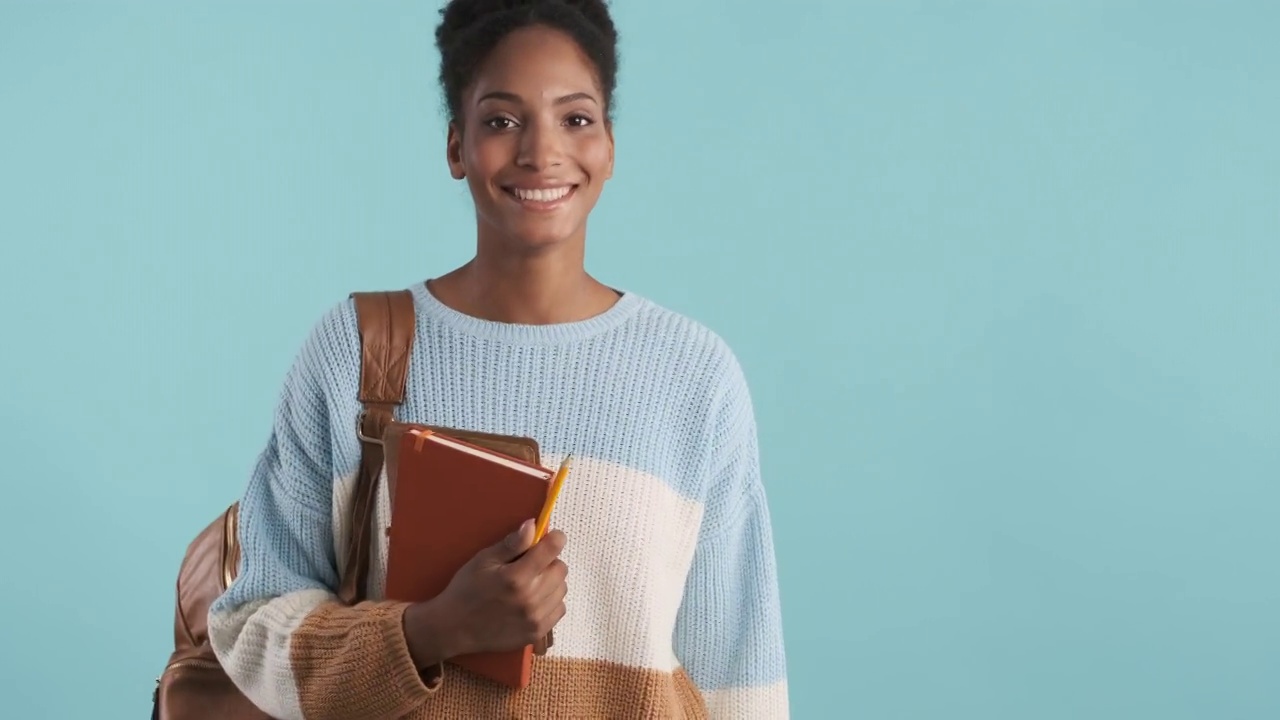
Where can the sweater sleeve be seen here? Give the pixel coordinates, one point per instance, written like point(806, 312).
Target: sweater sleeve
point(729, 627)
point(279, 631)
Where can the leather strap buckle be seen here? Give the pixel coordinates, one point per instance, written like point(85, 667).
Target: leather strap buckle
point(360, 433)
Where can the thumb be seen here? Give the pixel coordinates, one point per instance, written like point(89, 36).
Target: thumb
point(516, 544)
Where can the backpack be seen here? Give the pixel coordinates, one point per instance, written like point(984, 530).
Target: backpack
point(193, 685)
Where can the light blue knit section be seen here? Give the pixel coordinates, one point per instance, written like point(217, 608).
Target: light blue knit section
point(638, 386)
point(728, 632)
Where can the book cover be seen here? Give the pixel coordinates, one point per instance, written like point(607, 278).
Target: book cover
point(453, 498)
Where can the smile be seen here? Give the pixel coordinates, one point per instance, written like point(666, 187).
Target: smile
point(541, 198)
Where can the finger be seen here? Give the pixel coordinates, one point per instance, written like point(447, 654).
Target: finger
point(553, 618)
point(550, 595)
point(550, 582)
point(514, 545)
point(536, 559)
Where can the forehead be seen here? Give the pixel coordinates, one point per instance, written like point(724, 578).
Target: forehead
point(536, 63)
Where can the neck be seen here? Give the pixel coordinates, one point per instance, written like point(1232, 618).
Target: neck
point(532, 289)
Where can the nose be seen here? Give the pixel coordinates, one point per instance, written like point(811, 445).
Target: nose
point(539, 147)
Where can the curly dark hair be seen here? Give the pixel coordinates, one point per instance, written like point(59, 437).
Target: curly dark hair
point(470, 29)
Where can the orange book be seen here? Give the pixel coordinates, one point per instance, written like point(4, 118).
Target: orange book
point(451, 499)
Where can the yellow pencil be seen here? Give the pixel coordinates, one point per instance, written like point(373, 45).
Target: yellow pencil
point(544, 518)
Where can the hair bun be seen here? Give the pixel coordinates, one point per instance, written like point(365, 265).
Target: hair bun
point(460, 16)
point(597, 13)
point(470, 29)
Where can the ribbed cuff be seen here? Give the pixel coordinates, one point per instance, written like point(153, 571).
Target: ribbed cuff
point(409, 677)
point(355, 662)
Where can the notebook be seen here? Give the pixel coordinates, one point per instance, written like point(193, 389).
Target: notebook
point(451, 498)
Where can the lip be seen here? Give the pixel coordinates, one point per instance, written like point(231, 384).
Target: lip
point(539, 205)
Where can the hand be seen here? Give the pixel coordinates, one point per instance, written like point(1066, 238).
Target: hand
point(508, 596)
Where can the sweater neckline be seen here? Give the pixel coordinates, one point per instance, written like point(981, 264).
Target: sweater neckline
point(430, 307)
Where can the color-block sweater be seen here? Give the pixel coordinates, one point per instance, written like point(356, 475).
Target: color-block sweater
point(673, 605)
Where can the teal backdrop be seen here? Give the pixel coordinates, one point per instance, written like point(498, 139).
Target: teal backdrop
point(1004, 277)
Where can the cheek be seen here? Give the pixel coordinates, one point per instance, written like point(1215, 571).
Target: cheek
point(594, 155)
point(485, 158)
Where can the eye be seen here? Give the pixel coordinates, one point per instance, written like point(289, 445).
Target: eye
point(579, 121)
point(500, 123)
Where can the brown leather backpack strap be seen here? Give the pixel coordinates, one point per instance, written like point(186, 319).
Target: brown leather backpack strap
point(386, 323)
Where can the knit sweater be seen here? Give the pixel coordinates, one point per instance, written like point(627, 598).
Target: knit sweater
point(673, 606)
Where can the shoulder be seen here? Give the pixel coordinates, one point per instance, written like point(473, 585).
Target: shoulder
point(333, 342)
point(672, 332)
point(695, 346)
point(719, 418)
point(702, 377)
point(326, 363)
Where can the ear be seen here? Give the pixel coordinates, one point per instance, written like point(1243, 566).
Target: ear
point(453, 152)
point(608, 129)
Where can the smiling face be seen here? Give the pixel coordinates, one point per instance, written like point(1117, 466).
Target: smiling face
point(533, 141)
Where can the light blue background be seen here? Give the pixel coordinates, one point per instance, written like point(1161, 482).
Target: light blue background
point(1003, 275)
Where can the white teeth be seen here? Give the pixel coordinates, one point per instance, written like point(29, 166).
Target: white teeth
point(548, 195)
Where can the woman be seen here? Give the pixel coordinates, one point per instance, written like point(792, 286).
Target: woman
point(674, 610)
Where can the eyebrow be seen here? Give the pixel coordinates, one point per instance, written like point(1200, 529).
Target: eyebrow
point(512, 97)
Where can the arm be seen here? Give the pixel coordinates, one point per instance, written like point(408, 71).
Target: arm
point(729, 628)
point(279, 631)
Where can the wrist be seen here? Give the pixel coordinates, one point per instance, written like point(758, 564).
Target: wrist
point(430, 635)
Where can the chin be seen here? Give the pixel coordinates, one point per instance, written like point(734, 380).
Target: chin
point(524, 232)
point(538, 241)
point(538, 236)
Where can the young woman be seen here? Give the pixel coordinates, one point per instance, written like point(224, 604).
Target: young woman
point(673, 609)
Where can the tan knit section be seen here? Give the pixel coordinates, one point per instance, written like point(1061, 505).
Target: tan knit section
point(340, 653)
point(570, 689)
